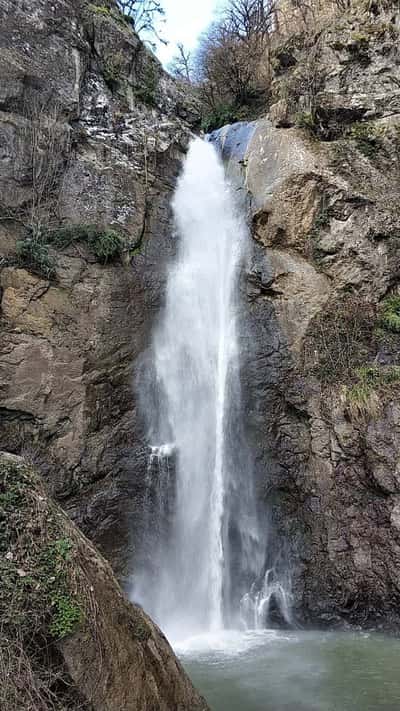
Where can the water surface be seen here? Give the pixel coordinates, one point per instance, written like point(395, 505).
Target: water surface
point(295, 671)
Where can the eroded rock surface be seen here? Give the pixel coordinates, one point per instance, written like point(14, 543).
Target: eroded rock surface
point(321, 412)
point(75, 75)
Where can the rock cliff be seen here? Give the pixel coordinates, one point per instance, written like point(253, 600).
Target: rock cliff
point(322, 180)
point(92, 132)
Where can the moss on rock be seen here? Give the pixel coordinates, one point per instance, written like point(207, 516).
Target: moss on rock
point(70, 641)
point(40, 600)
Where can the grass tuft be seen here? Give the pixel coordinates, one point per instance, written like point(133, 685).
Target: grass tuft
point(390, 316)
point(364, 399)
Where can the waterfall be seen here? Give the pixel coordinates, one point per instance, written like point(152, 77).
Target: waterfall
point(211, 551)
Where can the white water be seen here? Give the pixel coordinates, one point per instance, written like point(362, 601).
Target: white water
point(256, 605)
point(212, 551)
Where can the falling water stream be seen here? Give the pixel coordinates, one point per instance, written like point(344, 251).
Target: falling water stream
point(214, 548)
point(204, 575)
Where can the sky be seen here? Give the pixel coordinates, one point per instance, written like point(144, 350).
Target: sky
point(185, 20)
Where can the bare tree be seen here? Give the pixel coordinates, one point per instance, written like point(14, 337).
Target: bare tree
point(46, 144)
point(45, 138)
point(251, 20)
point(144, 15)
point(49, 146)
point(181, 65)
point(233, 60)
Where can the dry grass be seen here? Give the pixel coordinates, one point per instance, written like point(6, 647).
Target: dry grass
point(364, 400)
point(340, 339)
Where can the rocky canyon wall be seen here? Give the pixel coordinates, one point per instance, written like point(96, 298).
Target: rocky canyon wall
point(322, 181)
point(92, 132)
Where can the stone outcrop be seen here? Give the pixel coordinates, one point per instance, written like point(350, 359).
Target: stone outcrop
point(323, 384)
point(81, 93)
point(69, 637)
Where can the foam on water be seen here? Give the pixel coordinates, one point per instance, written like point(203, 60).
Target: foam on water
point(226, 643)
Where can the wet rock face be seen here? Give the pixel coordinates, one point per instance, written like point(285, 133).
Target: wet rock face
point(326, 257)
point(120, 128)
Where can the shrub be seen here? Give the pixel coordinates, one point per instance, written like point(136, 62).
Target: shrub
point(100, 10)
point(146, 91)
point(306, 120)
point(340, 339)
point(106, 244)
point(112, 70)
point(362, 402)
point(33, 253)
point(222, 115)
point(368, 138)
point(390, 316)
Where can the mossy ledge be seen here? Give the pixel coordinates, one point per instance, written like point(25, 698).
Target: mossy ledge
point(69, 639)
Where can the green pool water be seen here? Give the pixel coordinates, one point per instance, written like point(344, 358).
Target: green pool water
point(295, 671)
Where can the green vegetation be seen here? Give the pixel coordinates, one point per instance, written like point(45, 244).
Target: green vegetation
point(321, 222)
point(33, 254)
point(42, 598)
point(112, 70)
point(368, 138)
point(322, 217)
point(106, 244)
point(112, 14)
point(359, 39)
point(146, 92)
point(390, 316)
point(100, 9)
point(340, 340)
point(67, 613)
point(306, 120)
point(221, 115)
point(35, 564)
point(364, 398)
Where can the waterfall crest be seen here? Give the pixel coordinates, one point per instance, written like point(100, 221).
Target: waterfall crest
point(212, 552)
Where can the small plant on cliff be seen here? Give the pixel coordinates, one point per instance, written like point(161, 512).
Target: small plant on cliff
point(364, 398)
point(306, 120)
point(100, 10)
point(361, 400)
point(42, 598)
point(112, 70)
point(146, 91)
point(33, 254)
point(105, 243)
point(368, 138)
point(340, 339)
point(390, 317)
